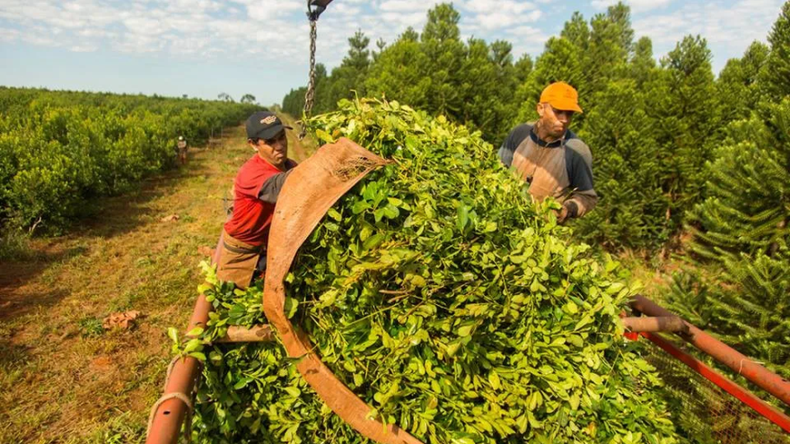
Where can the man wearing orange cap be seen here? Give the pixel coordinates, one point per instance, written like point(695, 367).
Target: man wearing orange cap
point(550, 157)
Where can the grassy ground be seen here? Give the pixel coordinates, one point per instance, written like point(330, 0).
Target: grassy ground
point(63, 378)
point(654, 274)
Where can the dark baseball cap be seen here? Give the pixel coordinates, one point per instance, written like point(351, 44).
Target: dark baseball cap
point(264, 125)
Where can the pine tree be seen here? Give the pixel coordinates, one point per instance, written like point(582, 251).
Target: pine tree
point(501, 53)
point(442, 24)
point(619, 15)
point(610, 44)
point(682, 104)
point(775, 75)
point(445, 53)
point(293, 102)
point(577, 31)
point(479, 86)
point(748, 208)
point(380, 44)
point(523, 67)
point(398, 74)
point(322, 101)
point(410, 34)
point(737, 86)
point(350, 76)
point(627, 173)
point(488, 83)
point(643, 64)
point(741, 229)
point(505, 84)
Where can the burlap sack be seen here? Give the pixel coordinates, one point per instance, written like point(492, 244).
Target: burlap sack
point(307, 195)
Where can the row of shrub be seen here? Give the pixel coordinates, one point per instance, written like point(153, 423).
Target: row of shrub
point(59, 149)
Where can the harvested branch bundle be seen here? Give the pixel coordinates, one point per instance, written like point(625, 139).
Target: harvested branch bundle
point(443, 297)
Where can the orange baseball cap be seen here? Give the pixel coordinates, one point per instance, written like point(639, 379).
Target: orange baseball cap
point(561, 96)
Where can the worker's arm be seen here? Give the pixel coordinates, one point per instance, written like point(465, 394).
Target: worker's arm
point(580, 203)
point(583, 197)
point(270, 189)
point(511, 142)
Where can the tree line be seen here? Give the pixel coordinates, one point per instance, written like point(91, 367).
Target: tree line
point(61, 149)
point(682, 159)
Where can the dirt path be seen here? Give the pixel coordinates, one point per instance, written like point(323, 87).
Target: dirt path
point(63, 378)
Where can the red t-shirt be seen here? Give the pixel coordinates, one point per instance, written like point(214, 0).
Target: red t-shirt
point(251, 216)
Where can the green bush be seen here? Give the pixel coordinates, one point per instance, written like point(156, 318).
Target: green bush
point(59, 149)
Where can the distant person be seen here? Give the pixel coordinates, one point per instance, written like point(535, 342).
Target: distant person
point(548, 156)
point(256, 188)
point(182, 150)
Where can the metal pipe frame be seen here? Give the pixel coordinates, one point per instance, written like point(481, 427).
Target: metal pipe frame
point(739, 363)
point(655, 324)
point(166, 423)
point(766, 410)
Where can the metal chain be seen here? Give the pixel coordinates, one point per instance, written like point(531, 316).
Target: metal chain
point(310, 95)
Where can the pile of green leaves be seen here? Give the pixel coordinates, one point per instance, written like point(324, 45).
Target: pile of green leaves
point(448, 301)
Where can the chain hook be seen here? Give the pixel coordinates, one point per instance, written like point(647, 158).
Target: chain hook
point(309, 97)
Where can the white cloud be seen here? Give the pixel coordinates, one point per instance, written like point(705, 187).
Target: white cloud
point(745, 21)
point(493, 16)
point(8, 35)
point(347, 10)
point(152, 26)
point(402, 20)
point(527, 39)
point(263, 10)
point(637, 6)
point(276, 31)
point(528, 33)
point(504, 19)
point(728, 28)
point(144, 25)
point(83, 48)
point(277, 28)
point(498, 6)
point(403, 5)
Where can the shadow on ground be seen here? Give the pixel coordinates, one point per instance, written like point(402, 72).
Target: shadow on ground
point(109, 217)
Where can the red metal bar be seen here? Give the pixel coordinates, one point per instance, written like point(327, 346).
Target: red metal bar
point(745, 396)
point(166, 423)
point(739, 363)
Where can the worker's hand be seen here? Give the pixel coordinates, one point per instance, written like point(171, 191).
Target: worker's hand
point(561, 214)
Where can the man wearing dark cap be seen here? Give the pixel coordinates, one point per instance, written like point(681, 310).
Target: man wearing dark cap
point(549, 156)
point(255, 190)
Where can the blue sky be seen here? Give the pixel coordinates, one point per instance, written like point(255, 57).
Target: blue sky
point(204, 47)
